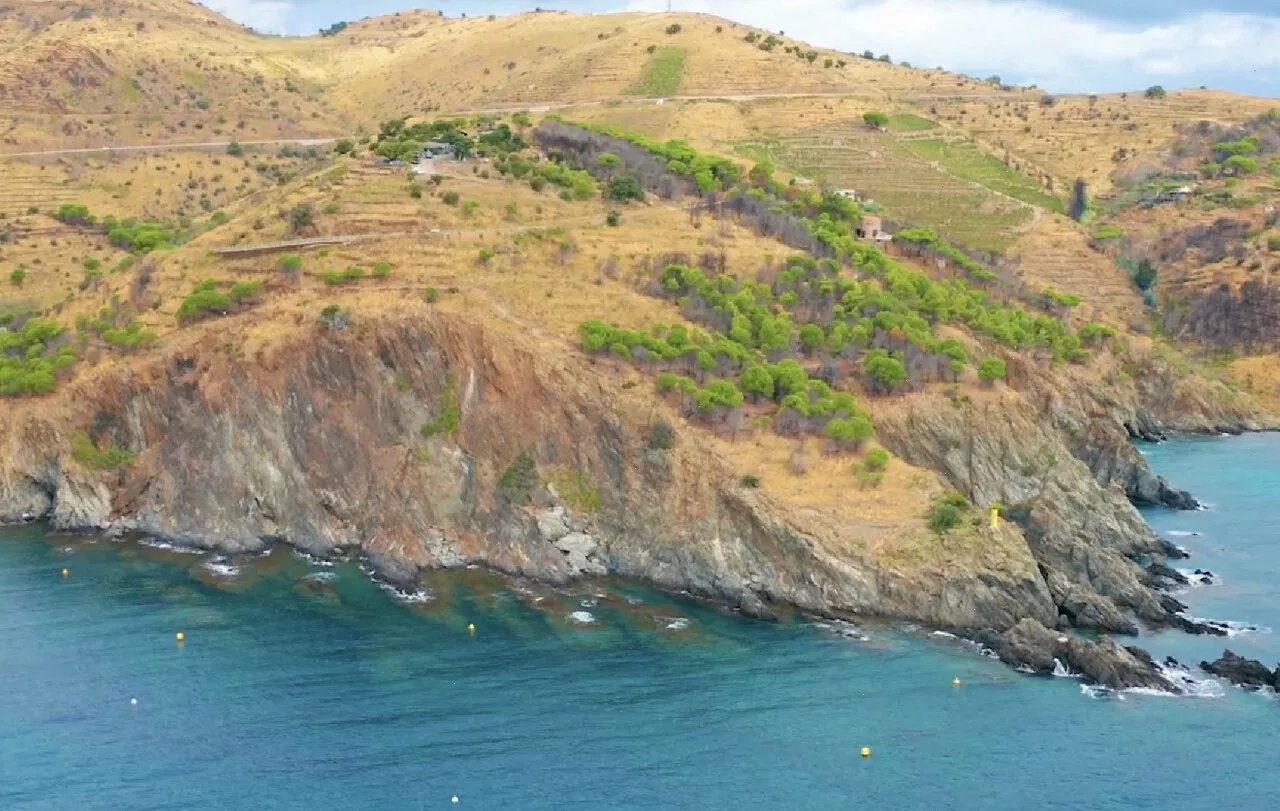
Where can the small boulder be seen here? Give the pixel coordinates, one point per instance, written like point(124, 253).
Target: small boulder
point(553, 524)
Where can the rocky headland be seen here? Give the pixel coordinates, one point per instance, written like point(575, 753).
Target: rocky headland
point(438, 442)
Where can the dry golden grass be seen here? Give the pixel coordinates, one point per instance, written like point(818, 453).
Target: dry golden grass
point(1056, 253)
point(1077, 137)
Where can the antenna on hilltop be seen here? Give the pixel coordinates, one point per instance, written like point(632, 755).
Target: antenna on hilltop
point(668, 6)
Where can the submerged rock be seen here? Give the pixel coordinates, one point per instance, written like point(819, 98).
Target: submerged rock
point(1248, 673)
point(1032, 646)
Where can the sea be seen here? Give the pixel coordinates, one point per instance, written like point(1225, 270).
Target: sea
point(302, 684)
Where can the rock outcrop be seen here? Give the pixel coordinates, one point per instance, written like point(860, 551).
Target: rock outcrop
point(1248, 673)
point(1031, 646)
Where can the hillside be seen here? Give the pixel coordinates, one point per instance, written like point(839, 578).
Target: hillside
point(667, 321)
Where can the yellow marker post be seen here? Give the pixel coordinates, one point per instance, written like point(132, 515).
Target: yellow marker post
point(865, 751)
point(179, 636)
point(995, 517)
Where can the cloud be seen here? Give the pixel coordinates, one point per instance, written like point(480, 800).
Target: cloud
point(1025, 41)
point(269, 16)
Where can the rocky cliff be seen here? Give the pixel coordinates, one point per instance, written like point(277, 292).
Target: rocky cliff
point(430, 441)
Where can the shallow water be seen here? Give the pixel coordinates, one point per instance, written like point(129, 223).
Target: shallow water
point(305, 686)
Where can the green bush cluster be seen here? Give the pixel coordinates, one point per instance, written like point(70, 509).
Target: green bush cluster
point(87, 453)
point(1107, 231)
point(204, 299)
point(28, 359)
point(578, 182)
point(130, 336)
point(707, 171)
point(142, 236)
point(1051, 296)
point(927, 238)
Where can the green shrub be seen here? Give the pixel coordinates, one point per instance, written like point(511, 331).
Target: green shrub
point(415, 190)
point(470, 207)
point(613, 219)
point(446, 421)
point(84, 451)
point(750, 481)
point(875, 118)
point(1107, 231)
point(343, 146)
point(1241, 165)
point(289, 263)
point(381, 269)
point(1155, 92)
point(431, 295)
point(92, 264)
point(301, 216)
point(674, 28)
point(74, 214)
point(517, 482)
point(235, 149)
point(17, 276)
point(947, 513)
point(243, 290)
point(203, 300)
point(991, 369)
point(1273, 242)
point(661, 436)
point(623, 189)
point(450, 198)
point(876, 459)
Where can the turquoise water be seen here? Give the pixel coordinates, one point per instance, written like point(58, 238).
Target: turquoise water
point(292, 692)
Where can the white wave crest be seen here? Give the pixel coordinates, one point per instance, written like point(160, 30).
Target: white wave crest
point(1197, 580)
point(677, 624)
point(1234, 628)
point(845, 629)
point(165, 546)
point(220, 567)
point(416, 596)
point(1062, 672)
point(1182, 533)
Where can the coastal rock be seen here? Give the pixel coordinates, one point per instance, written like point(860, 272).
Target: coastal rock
point(1031, 645)
point(1248, 673)
point(579, 550)
point(1165, 576)
point(553, 524)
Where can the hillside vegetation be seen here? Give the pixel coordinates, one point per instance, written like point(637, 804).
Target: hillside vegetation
point(699, 256)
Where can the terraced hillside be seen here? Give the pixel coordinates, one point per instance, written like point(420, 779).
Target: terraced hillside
point(1088, 136)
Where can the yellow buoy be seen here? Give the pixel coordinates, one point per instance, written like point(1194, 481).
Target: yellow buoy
point(865, 751)
point(471, 628)
point(956, 681)
point(66, 572)
point(455, 798)
point(179, 636)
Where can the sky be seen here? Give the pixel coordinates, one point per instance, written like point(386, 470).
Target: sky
point(1066, 46)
